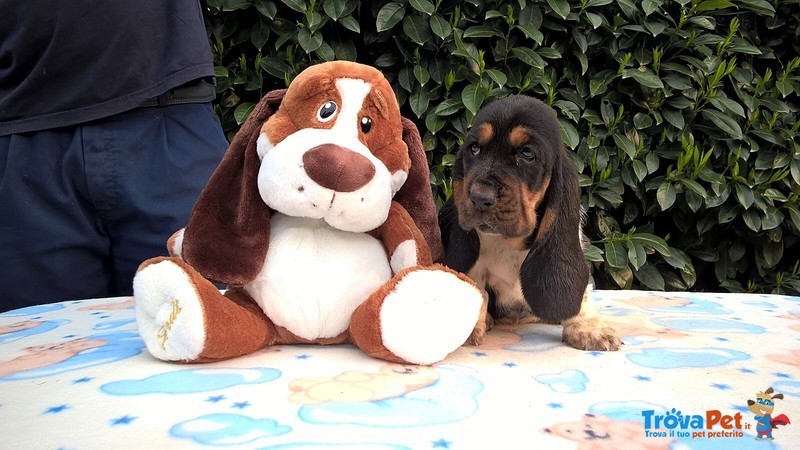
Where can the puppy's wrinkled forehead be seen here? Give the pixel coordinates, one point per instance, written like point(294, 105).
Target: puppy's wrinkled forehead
point(515, 136)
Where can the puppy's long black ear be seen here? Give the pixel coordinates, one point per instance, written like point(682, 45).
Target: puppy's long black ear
point(555, 273)
point(461, 247)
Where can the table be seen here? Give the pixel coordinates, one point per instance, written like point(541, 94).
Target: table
point(76, 375)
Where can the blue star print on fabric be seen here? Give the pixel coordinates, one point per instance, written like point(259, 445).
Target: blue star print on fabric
point(555, 405)
point(215, 398)
point(241, 405)
point(479, 353)
point(124, 420)
point(56, 409)
point(510, 364)
point(441, 443)
point(596, 353)
point(782, 375)
point(83, 380)
point(721, 386)
point(745, 370)
point(643, 378)
point(302, 356)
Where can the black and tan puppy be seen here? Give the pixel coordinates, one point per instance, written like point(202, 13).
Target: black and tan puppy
point(513, 224)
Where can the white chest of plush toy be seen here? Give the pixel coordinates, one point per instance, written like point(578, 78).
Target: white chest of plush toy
point(314, 275)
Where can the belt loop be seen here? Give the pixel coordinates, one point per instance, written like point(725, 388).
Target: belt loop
point(162, 99)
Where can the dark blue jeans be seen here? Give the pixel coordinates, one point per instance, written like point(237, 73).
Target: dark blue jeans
point(81, 207)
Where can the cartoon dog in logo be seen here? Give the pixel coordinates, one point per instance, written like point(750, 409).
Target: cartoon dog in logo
point(762, 407)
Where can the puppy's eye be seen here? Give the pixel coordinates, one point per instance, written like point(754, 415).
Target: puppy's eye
point(474, 149)
point(526, 154)
point(326, 112)
point(366, 124)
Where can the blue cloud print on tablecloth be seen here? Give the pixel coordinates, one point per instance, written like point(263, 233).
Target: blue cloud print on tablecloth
point(567, 382)
point(119, 345)
point(546, 337)
point(32, 310)
point(673, 358)
point(697, 306)
point(709, 325)
point(787, 387)
point(111, 324)
point(630, 410)
point(227, 429)
point(190, 381)
point(41, 327)
point(348, 446)
point(451, 399)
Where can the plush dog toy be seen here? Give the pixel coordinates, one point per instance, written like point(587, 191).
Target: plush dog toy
point(321, 222)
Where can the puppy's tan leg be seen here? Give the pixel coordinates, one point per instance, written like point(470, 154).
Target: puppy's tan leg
point(484, 323)
point(587, 331)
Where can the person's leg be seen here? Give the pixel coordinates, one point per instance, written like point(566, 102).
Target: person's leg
point(52, 246)
point(163, 159)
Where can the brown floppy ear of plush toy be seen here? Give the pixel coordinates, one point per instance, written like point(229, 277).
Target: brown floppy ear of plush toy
point(227, 237)
point(416, 196)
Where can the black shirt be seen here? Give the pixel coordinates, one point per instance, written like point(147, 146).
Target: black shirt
point(64, 62)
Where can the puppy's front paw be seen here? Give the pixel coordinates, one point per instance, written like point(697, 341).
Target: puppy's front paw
point(481, 328)
point(591, 335)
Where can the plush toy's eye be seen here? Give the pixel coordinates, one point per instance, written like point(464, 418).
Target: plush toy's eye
point(475, 149)
point(326, 112)
point(366, 124)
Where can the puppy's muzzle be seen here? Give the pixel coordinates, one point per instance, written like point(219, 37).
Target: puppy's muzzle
point(483, 196)
point(337, 168)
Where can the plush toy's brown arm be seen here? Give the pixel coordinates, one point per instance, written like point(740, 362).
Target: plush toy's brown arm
point(403, 241)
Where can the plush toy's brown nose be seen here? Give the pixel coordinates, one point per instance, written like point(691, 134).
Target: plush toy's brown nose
point(338, 168)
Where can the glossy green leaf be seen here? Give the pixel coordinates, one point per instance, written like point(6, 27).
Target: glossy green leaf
point(297, 5)
point(440, 27)
point(417, 29)
point(389, 15)
point(423, 6)
point(560, 7)
point(616, 256)
point(666, 195)
point(336, 9)
point(724, 122)
point(650, 240)
point(649, 276)
point(419, 101)
point(243, 111)
point(449, 106)
point(472, 97)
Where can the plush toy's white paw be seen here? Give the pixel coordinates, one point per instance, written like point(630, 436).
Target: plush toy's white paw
point(429, 314)
point(169, 312)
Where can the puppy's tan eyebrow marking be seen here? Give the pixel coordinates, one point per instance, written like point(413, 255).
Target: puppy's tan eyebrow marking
point(518, 136)
point(484, 133)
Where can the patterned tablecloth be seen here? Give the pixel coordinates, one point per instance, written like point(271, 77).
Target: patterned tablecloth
point(76, 375)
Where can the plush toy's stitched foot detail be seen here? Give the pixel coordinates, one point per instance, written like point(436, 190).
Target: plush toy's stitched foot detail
point(428, 314)
point(169, 311)
point(590, 334)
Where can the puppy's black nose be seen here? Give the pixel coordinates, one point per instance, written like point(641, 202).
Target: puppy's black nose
point(483, 197)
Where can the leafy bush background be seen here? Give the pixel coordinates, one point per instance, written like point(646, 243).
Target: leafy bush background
point(681, 116)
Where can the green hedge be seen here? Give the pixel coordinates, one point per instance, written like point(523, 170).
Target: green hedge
point(681, 116)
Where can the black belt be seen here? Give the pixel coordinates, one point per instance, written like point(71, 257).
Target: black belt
point(202, 90)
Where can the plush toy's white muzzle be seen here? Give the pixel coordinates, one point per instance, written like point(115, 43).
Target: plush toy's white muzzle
point(321, 174)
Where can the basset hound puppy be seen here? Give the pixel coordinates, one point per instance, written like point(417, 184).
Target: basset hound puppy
point(513, 224)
